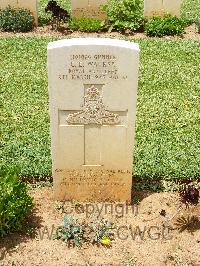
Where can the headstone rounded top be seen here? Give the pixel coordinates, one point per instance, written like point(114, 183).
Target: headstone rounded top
point(93, 41)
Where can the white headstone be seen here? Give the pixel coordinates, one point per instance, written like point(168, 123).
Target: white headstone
point(93, 91)
point(162, 7)
point(88, 8)
point(27, 4)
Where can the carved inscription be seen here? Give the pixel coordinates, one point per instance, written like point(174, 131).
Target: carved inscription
point(94, 111)
point(90, 177)
point(87, 67)
point(88, 8)
point(96, 13)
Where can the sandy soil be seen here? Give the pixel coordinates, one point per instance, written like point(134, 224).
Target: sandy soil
point(179, 246)
point(190, 34)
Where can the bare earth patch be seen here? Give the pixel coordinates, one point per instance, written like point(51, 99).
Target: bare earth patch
point(46, 31)
point(154, 247)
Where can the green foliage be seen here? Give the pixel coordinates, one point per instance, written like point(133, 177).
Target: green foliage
point(25, 139)
point(167, 134)
point(45, 18)
point(137, 199)
point(125, 14)
point(85, 24)
point(197, 22)
point(16, 20)
point(103, 232)
point(75, 233)
point(190, 10)
point(70, 232)
point(168, 25)
point(15, 203)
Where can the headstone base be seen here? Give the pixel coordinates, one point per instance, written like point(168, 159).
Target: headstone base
point(90, 184)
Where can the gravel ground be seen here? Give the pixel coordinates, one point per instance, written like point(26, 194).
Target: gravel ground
point(180, 246)
point(190, 34)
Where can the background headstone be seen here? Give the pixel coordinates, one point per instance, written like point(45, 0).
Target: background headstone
point(28, 4)
point(88, 8)
point(93, 91)
point(161, 7)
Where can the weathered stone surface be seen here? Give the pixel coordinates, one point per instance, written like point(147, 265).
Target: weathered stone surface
point(93, 91)
point(161, 7)
point(88, 8)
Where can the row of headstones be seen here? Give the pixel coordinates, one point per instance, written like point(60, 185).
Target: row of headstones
point(151, 8)
point(92, 7)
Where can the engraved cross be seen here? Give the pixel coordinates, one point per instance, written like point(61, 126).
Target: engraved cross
point(93, 116)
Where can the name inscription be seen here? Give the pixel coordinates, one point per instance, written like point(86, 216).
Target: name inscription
point(90, 67)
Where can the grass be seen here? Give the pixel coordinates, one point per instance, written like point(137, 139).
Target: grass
point(190, 9)
point(25, 121)
point(168, 127)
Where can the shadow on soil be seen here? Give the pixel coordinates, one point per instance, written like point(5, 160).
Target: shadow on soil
point(142, 189)
point(30, 228)
point(188, 223)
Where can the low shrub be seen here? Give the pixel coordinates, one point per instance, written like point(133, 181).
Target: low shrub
point(45, 18)
point(15, 203)
point(16, 20)
point(125, 14)
point(188, 21)
point(75, 232)
point(86, 24)
point(168, 25)
point(70, 232)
